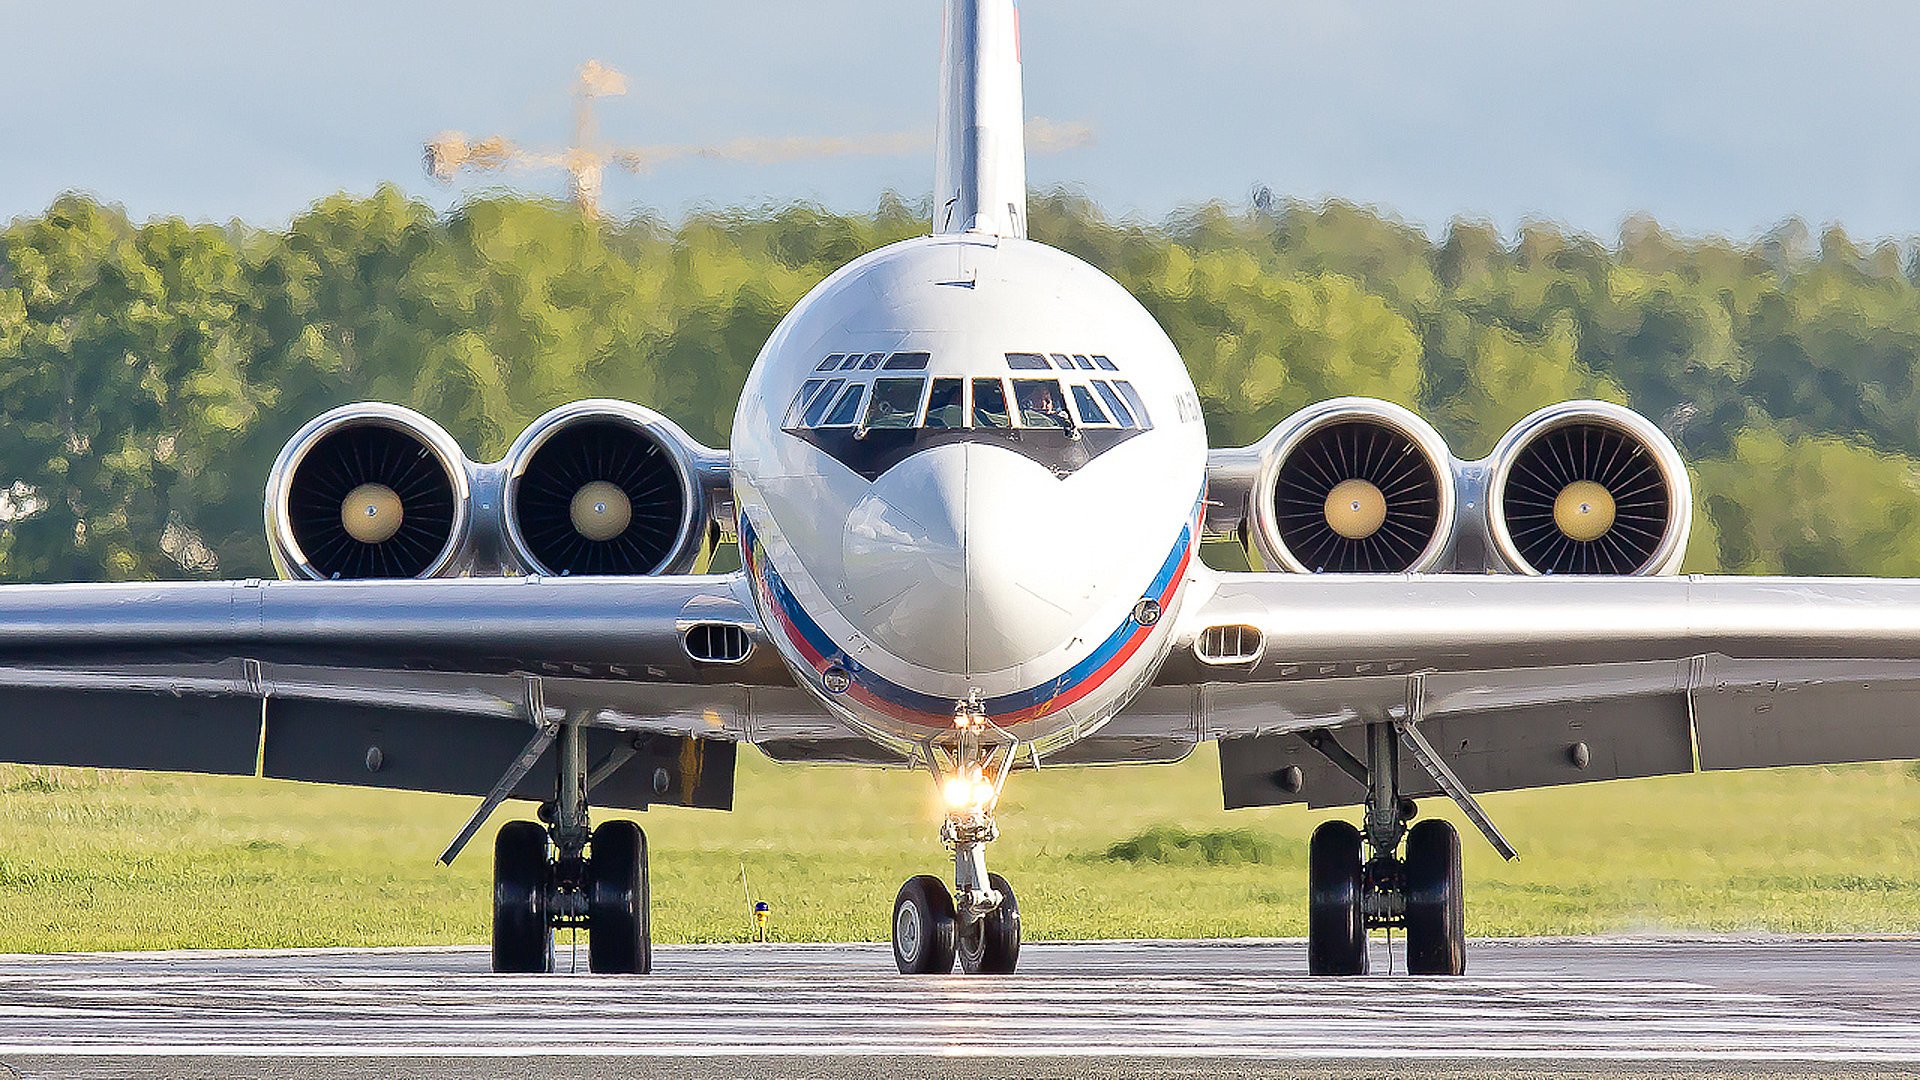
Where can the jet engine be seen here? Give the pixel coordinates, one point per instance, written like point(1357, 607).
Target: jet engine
point(1587, 487)
point(1352, 485)
point(368, 491)
point(609, 487)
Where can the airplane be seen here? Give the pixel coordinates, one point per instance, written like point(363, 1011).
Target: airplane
point(969, 478)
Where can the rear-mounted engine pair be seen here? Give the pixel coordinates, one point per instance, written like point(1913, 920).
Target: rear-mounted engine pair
point(595, 487)
point(1356, 485)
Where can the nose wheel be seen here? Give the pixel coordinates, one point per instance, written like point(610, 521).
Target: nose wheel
point(978, 920)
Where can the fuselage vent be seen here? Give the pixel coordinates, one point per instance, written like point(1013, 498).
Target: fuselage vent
point(718, 643)
point(1237, 644)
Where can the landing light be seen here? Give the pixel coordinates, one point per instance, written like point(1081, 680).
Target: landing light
point(968, 791)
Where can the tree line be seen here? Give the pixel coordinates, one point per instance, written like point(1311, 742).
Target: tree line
point(150, 371)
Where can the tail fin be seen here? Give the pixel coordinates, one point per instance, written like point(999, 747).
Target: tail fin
point(980, 167)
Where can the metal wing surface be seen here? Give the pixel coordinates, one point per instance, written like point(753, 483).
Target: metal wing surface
point(426, 685)
point(1527, 682)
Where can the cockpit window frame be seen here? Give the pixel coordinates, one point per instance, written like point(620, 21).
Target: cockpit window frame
point(974, 419)
point(822, 401)
point(907, 418)
point(1085, 402)
point(1021, 387)
point(1115, 404)
point(926, 410)
point(846, 409)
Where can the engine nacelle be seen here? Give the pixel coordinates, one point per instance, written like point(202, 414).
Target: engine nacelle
point(1352, 485)
point(369, 491)
point(1588, 487)
point(610, 487)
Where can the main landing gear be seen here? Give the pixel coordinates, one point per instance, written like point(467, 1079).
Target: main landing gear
point(978, 921)
point(1419, 891)
point(558, 874)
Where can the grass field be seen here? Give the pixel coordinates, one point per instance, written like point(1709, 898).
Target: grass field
point(98, 860)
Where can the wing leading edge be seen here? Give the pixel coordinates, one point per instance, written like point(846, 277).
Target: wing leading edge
point(1529, 682)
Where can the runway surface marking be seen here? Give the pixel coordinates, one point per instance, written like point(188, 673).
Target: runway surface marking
point(1780, 1000)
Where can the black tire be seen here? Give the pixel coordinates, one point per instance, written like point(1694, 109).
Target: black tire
point(923, 927)
point(991, 946)
point(522, 935)
point(619, 919)
point(1336, 926)
point(1436, 904)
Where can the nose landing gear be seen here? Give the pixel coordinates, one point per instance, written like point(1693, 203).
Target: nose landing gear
point(978, 921)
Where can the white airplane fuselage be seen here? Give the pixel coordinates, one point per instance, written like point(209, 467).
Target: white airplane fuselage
point(969, 468)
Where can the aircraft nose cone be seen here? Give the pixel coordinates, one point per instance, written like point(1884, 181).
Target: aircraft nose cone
point(905, 561)
point(1031, 575)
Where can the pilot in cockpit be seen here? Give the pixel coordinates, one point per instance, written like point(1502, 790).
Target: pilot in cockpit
point(1041, 406)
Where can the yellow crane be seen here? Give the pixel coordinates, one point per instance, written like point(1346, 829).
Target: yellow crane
point(587, 158)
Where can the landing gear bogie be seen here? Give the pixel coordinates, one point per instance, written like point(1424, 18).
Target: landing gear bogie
point(1410, 881)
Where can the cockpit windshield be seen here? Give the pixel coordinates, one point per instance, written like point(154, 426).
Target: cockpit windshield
point(1041, 404)
point(947, 404)
point(990, 404)
point(896, 404)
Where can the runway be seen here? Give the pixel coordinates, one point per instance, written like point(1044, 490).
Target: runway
point(1733, 1006)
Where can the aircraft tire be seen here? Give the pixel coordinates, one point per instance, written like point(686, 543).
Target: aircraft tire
point(1336, 925)
point(923, 927)
point(991, 946)
point(1436, 903)
point(619, 899)
point(522, 934)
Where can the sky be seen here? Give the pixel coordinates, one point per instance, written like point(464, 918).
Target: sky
point(1714, 116)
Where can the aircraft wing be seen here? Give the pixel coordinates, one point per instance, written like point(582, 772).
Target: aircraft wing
point(1523, 682)
point(424, 685)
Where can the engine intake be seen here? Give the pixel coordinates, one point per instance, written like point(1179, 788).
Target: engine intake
point(605, 487)
point(1588, 487)
point(368, 491)
point(1353, 485)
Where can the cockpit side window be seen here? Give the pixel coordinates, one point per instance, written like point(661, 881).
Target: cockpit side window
point(1060, 361)
point(1026, 361)
point(1088, 408)
point(907, 361)
point(831, 362)
point(800, 401)
point(947, 404)
point(1083, 363)
point(896, 404)
point(872, 361)
point(847, 408)
point(1041, 404)
point(822, 400)
point(1104, 364)
point(1119, 408)
point(1133, 402)
point(990, 404)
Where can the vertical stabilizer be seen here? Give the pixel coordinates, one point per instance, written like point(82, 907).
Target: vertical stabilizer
point(980, 167)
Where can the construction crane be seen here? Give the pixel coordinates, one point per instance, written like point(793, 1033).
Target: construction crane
point(587, 158)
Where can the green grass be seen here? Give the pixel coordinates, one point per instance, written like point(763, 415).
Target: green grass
point(100, 860)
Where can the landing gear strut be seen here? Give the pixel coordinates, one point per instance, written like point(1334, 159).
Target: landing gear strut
point(1421, 892)
point(560, 874)
point(978, 921)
